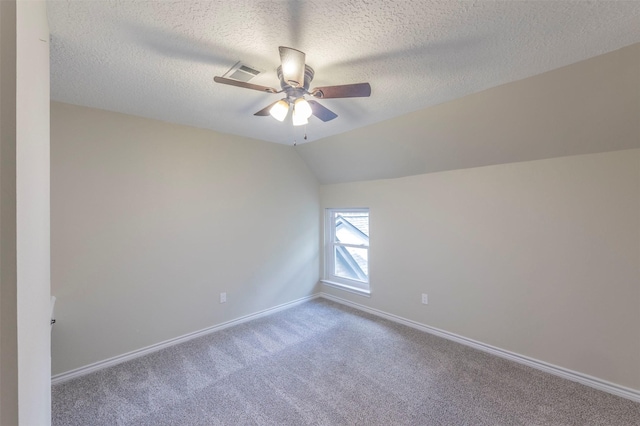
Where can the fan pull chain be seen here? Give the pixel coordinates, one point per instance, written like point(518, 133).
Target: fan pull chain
point(295, 142)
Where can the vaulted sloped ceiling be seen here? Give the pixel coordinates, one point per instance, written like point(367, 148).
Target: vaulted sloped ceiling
point(157, 59)
point(588, 107)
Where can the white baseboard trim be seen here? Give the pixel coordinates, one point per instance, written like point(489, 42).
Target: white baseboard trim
point(575, 376)
point(72, 374)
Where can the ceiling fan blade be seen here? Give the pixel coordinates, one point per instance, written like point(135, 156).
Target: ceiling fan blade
point(265, 111)
point(245, 85)
point(358, 90)
point(321, 112)
point(292, 66)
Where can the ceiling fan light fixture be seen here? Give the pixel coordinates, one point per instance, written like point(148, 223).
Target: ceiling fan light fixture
point(301, 107)
point(291, 69)
point(295, 77)
point(280, 110)
point(292, 66)
point(298, 119)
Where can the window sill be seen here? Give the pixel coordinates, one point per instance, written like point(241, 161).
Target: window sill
point(345, 287)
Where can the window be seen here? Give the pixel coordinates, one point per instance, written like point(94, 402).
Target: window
point(347, 249)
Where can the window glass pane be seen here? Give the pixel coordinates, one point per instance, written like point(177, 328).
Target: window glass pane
point(352, 263)
point(352, 227)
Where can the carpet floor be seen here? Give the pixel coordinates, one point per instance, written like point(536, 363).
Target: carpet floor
point(321, 363)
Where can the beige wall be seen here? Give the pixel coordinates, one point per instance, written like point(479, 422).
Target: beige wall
point(540, 258)
point(588, 107)
point(152, 221)
point(8, 277)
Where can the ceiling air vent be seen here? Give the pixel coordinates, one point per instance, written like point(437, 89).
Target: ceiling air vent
point(242, 72)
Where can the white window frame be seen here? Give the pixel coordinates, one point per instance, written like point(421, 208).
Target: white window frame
point(329, 278)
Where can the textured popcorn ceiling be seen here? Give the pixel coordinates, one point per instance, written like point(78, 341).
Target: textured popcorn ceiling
point(157, 59)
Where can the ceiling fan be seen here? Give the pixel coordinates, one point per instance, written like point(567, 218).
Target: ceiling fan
point(295, 77)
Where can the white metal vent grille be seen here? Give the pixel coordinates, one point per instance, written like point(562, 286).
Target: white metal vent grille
point(242, 72)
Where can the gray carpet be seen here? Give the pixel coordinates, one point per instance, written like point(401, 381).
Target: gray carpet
point(321, 363)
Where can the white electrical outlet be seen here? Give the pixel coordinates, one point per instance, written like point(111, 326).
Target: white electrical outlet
point(223, 297)
point(425, 299)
